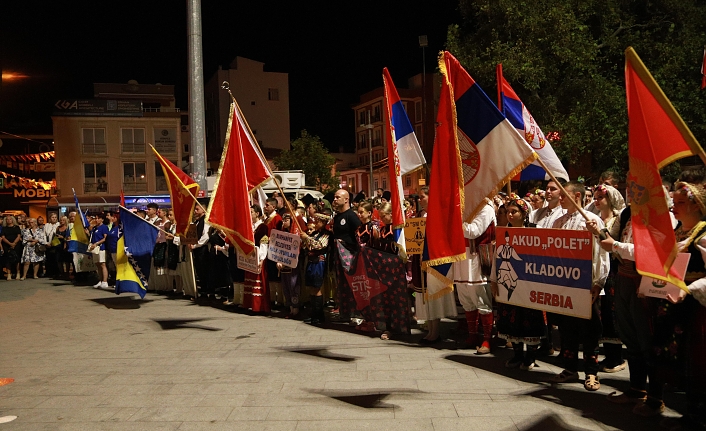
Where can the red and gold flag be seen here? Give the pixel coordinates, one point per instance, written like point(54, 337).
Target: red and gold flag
point(182, 191)
point(242, 169)
point(657, 136)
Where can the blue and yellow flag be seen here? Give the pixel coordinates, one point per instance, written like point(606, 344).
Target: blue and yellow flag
point(135, 245)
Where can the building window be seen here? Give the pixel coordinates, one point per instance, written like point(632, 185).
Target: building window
point(377, 142)
point(362, 140)
point(418, 131)
point(93, 141)
point(362, 118)
point(376, 113)
point(408, 180)
point(133, 140)
point(134, 177)
point(376, 185)
point(273, 94)
point(404, 105)
point(418, 111)
point(384, 184)
point(94, 178)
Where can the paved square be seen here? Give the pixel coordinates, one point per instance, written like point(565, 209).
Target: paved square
point(86, 359)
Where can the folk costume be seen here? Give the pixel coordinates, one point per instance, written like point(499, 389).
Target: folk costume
point(256, 294)
point(316, 246)
point(273, 221)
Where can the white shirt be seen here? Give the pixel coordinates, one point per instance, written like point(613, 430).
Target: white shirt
point(50, 230)
point(601, 258)
point(545, 217)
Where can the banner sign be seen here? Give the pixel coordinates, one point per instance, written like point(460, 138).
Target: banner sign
point(283, 248)
point(98, 108)
point(660, 289)
point(247, 262)
point(545, 269)
point(414, 232)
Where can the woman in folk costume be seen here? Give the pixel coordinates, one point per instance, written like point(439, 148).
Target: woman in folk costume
point(219, 279)
point(679, 339)
point(290, 276)
point(366, 235)
point(610, 203)
point(394, 308)
point(256, 293)
point(518, 325)
point(471, 285)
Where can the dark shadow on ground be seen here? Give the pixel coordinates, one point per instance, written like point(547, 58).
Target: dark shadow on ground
point(593, 405)
point(319, 353)
point(169, 324)
point(549, 423)
point(368, 399)
point(121, 302)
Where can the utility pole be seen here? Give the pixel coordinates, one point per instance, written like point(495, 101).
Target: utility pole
point(369, 126)
point(196, 94)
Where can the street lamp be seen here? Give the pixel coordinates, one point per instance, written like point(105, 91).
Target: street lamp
point(369, 126)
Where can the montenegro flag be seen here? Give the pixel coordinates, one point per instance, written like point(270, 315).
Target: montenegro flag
point(657, 136)
point(183, 191)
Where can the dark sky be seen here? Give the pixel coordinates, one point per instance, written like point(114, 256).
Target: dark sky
point(333, 51)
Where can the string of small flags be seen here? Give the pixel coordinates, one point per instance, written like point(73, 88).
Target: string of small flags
point(27, 183)
point(36, 157)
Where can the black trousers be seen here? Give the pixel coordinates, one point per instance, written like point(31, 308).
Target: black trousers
point(576, 331)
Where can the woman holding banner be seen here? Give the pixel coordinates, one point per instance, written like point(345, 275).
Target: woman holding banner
point(256, 294)
point(518, 325)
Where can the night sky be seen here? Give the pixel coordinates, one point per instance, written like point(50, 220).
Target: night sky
point(333, 51)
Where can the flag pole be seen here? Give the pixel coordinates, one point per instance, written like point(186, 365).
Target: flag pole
point(226, 86)
point(498, 81)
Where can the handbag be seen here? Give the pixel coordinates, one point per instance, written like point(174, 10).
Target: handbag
point(40, 249)
point(55, 241)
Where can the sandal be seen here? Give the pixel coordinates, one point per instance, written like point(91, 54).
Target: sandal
point(385, 335)
point(591, 383)
point(564, 376)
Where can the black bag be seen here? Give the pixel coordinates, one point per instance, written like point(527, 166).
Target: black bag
point(40, 249)
point(11, 256)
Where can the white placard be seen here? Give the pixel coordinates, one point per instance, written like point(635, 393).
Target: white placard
point(247, 262)
point(284, 248)
point(660, 289)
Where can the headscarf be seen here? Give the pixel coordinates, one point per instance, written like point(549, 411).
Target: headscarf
point(617, 203)
point(695, 192)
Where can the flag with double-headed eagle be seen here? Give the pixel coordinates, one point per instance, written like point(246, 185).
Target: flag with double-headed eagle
point(519, 116)
point(183, 191)
point(242, 169)
point(136, 239)
point(403, 155)
point(657, 136)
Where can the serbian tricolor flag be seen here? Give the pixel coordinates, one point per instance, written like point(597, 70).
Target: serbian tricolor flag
point(403, 154)
point(182, 191)
point(517, 114)
point(241, 170)
point(657, 136)
point(492, 152)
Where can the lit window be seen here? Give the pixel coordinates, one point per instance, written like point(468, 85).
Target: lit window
point(94, 178)
point(134, 177)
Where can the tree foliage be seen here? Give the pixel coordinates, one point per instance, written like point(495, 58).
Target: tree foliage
point(565, 59)
point(310, 155)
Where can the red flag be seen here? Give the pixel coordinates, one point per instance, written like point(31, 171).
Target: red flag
point(182, 191)
point(122, 198)
point(652, 122)
point(241, 170)
point(444, 229)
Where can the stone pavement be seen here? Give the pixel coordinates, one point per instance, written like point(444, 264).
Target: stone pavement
point(86, 359)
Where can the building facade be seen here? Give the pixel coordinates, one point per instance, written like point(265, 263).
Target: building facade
point(102, 145)
point(262, 96)
point(420, 101)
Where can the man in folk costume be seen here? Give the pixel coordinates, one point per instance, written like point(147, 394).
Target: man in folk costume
point(547, 215)
point(273, 221)
point(199, 251)
point(574, 330)
point(471, 285)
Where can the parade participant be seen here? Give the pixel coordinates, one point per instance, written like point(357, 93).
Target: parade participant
point(576, 331)
point(199, 251)
point(152, 216)
point(518, 325)
point(425, 308)
point(290, 276)
point(316, 245)
point(41, 226)
point(678, 349)
point(99, 236)
point(111, 243)
point(537, 199)
point(32, 238)
point(219, 281)
point(607, 178)
point(501, 215)
point(471, 285)
point(11, 237)
point(273, 221)
point(256, 295)
point(64, 258)
point(392, 310)
point(173, 257)
point(544, 217)
point(345, 223)
point(366, 235)
point(606, 199)
point(52, 269)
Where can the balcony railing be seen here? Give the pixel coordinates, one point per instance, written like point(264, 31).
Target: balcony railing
point(161, 109)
